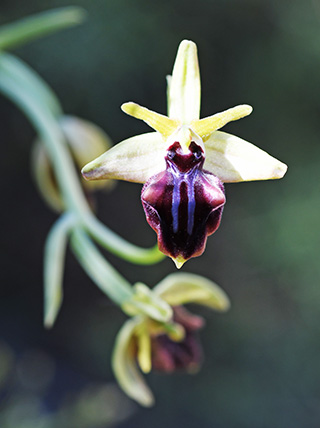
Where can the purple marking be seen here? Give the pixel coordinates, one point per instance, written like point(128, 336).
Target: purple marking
point(176, 199)
point(191, 205)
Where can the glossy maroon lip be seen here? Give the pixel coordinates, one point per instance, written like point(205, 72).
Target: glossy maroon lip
point(184, 203)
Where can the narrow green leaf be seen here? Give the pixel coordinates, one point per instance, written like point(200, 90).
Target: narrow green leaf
point(54, 255)
point(32, 27)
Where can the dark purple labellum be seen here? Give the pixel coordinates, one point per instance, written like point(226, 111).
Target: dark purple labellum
point(184, 203)
point(169, 356)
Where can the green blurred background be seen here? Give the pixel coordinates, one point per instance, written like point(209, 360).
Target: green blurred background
point(262, 358)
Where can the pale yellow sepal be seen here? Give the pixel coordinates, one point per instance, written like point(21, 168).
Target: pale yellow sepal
point(135, 159)
point(157, 121)
point(181, 288)
point(206, 126)
point(184, 89)
point(125, 366)
point(145, 302)
point(232, 160)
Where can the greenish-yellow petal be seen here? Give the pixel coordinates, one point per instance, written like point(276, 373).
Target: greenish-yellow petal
point(144, 348)
point(145, 302)
point(157, 121)
point(184, 89)
point(181, 288)
point(232, 160)
point(135, 159)
point(207, 125)
point(125, 367)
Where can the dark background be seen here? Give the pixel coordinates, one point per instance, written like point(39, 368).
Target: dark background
point(262, 357)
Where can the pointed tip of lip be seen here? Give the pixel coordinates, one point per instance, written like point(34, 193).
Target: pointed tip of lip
point(179, 262)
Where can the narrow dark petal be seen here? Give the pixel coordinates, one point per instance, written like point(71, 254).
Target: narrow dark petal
point(184, 203)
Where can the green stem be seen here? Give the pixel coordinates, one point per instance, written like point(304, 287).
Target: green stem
point(51, 134)
point(99, 270)
point(49, 131)
point(114, 243)
point(27, 77)
point(33, 27)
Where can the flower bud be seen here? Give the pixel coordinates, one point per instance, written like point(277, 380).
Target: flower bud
point(170, 355)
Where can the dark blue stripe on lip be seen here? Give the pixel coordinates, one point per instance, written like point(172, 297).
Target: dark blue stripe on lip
point(188, 181)
point(191, 206)
point(175, 204)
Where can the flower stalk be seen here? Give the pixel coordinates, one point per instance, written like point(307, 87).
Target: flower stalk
point(38, 102)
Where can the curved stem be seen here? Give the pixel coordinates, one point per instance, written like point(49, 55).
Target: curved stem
point(51, 134)
point(40, 116)
point(100, 271)
point(132, 253)
point(23, 74)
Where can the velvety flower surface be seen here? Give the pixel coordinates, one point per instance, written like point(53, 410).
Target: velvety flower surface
point(184, 163)
point(165, 339)
point(183, 204)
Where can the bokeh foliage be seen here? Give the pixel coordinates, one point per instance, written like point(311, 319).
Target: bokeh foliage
point(261, 367)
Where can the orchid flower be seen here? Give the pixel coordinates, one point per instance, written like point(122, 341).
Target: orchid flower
point(162, 334)
point(184, 164)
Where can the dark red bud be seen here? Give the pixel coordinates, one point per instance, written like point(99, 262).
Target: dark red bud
point(169, 356)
